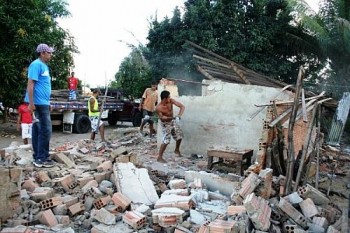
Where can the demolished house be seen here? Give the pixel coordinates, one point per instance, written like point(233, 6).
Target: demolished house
point(265, 135)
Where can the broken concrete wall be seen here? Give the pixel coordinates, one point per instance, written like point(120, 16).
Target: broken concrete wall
point(220, 116)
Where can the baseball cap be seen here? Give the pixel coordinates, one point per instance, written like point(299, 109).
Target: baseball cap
point(44, 48)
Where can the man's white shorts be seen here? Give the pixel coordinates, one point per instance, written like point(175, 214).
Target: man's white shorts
point(26, 130)
point(94, 121)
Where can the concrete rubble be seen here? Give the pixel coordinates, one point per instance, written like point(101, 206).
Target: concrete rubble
point(99, 188)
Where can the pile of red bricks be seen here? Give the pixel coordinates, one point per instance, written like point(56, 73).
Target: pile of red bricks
point(82, 192)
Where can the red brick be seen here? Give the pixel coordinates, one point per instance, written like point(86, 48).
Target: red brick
point(135, 219)
point(105, 166)
point(120, 200)
point(68, 183)
point(52, 202)
point(84, 180)
point(29, 185)
point(102, 202)
point(48, 218)
point(102, 176)
point(221, 226)
point(232, 210)
point(16, 174)
point(76, 208)
point(42, 193)
point(42, 176)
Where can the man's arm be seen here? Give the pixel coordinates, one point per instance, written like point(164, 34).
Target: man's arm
point(30, 89)
point(179, 105)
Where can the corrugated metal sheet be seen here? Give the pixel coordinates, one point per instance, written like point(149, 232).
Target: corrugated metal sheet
point(339, 120)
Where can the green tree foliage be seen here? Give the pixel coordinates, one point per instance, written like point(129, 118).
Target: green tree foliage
point(256, 34)
point(134, 74)
point(23, 25)
point(331, 27)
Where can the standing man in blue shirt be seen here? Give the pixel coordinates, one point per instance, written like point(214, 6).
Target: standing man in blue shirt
point(38, 97)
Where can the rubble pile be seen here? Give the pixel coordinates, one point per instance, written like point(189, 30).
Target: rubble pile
point(96, 187)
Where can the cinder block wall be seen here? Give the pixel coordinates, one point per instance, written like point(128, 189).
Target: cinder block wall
point(219, 117)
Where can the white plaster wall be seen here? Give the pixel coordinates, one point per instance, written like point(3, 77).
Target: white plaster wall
point(220, 117)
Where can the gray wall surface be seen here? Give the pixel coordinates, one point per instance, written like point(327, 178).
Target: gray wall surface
point(219, 117)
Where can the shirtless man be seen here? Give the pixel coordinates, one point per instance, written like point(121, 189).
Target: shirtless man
point(170, 126)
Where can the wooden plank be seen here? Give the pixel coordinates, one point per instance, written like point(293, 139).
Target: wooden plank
point(303, 106)
point(205, 73)
point(305, 147)
point(262, 108)
point(236, 155)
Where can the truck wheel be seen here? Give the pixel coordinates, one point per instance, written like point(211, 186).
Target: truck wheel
point(82, 124)
point(136, 121)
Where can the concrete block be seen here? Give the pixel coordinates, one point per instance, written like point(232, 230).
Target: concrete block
point(212, 181)
point(60, 209)
point(135, 219)
point(177, 184)
point(320, 221)
point(232, 210)
point(332, 229)
point(119, 151)
point(103, 216)
point(42, 193)
point(69, 200)
point(180, 192)
point(181, 202)
point(88, 203)
point(62, 158)
point(17, 229)
point(105, 166)
point(63, 219)
point(310, 192)
point(293, 198)
point(76, 209)
point(258, 211)
point(100, 176)
point(51, 202)
point(167, 217)
point(221, 226)
point(308, 208)
point(297, 217)
point(142, 190)
point(47, 218)
point(121, 200)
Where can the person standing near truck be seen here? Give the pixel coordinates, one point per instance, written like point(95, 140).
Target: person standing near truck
point(72, 86)
point(38, 96)
point(147, 105)
point(24, 122)
point(94, 115)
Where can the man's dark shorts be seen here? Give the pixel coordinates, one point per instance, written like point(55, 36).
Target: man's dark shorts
point(147, 116)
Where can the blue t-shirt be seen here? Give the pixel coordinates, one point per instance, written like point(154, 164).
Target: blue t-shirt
point(39, 72)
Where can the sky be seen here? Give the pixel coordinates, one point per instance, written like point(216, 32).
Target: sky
point(98, 26)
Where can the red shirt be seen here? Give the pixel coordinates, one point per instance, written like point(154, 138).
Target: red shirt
point(26, 116)
point(72, 83)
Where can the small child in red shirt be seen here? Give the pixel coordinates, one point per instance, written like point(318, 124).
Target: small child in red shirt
point(24, 121)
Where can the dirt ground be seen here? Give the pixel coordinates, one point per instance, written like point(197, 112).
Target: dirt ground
point(8, 134)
